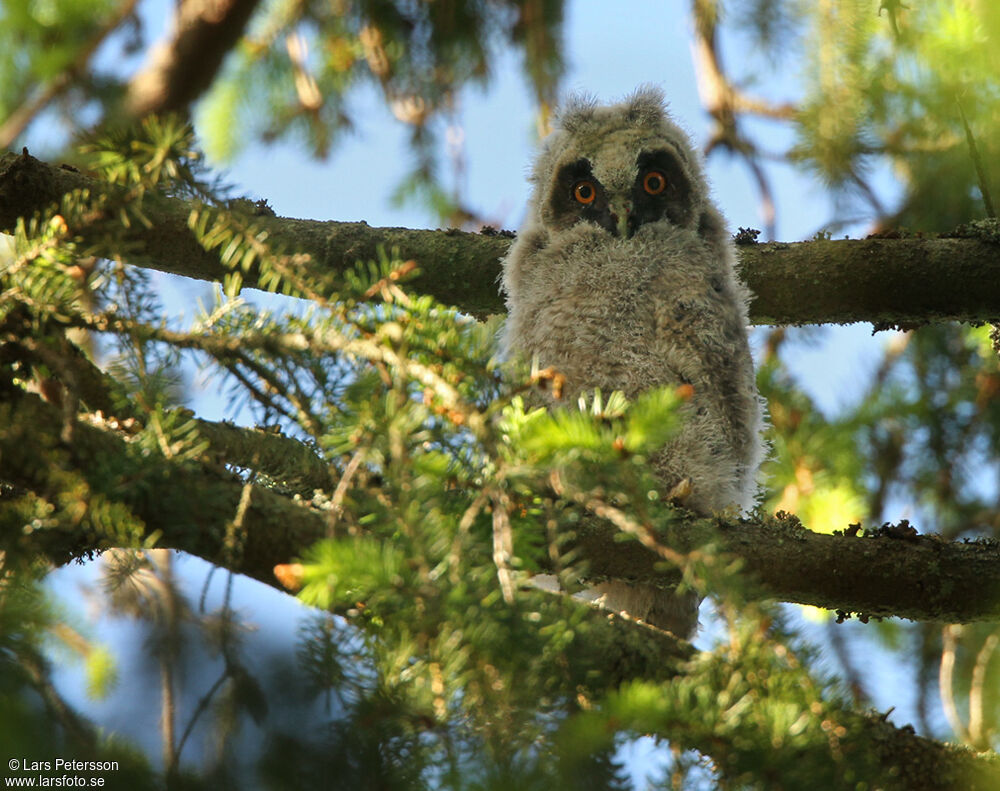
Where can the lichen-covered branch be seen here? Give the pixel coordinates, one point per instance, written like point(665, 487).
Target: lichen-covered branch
point(189, 504)
point(890, 571)
point(916, 763)
point(906, 281)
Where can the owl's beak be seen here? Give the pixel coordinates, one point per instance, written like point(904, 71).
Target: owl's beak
point(621, 210)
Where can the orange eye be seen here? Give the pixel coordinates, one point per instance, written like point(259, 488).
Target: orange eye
point(654, 183)
point(585, 192)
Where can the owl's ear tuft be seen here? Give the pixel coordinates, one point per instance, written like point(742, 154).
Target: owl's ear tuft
point(647, 106)
point(577, 110)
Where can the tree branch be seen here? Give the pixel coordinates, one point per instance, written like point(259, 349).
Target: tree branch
point(189, 504)
point(883, 281)
point(182, 67)
point(888, 572)
point(722, 100)
point(282, 458)
point(916, 763)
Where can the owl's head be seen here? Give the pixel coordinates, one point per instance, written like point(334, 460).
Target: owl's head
point(619, 166)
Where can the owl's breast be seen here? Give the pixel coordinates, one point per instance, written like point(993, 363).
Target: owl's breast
point(661, 308)
point(593, 307)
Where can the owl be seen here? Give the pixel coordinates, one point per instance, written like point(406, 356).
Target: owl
point(623, 277)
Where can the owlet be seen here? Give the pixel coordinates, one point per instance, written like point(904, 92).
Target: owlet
point(623, 278)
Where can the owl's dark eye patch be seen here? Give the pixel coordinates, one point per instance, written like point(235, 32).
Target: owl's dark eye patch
point(579, 196)
point(661, 191)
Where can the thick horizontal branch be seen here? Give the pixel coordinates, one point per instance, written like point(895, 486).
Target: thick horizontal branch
point(190, 505)
point(891, 572)
point(883, 281)
point(458, 268)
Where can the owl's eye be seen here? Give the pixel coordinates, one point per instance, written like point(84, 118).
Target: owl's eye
point(654, 182)
point(584, 192)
